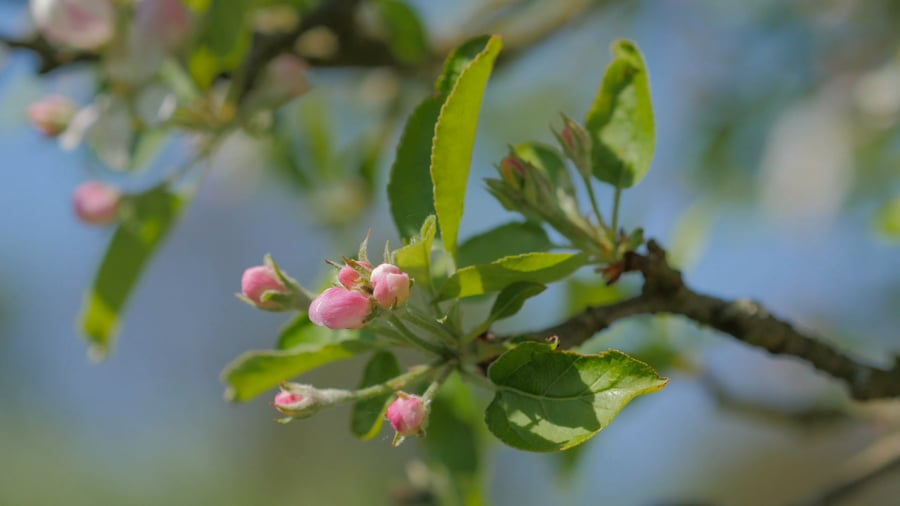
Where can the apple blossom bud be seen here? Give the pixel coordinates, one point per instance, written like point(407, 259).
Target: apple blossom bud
point(513, 170)
point(349, 276)
point(302, 401)
point(407, 415)
point(576, 143)
point(168, 22)
point(284, 78)
point(390, 285)
point(52, 114)
point(340, 308)
point(259, 280)
point(81, 24)
point(96, 203)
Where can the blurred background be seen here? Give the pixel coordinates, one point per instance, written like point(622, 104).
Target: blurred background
point(776, 178)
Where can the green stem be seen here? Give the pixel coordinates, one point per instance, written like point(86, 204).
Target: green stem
point(615, 219)
point(411, 337)
point(436, 384)
point(428, 323)
point(393, 384)
point(596, 208)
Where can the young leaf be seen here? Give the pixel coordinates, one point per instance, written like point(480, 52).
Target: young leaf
point(506, 240)
point(454, 443)
point(454, 141)
point(148, 218)
point(368, 415)
point(300, 330)
point(621, 121)
point(511, 299)
point(415, 257)
point(254, 372)
point(410, 189)
point(495, 276)
point(405, 31)
point(549, 400)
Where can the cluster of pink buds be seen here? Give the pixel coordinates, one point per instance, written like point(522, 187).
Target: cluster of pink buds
point(407, 415)
point(362, 288)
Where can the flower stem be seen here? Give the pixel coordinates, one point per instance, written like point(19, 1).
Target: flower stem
point(393, 384)
point(412, 337)
point(615, 220)
point(594, 206)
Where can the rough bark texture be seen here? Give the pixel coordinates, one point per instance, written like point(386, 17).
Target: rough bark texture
point(664, 291)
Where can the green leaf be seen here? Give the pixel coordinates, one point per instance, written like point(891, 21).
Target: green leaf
point(223, 40)
point(454, 140)
point(404, 30)
point(254, 372)
point(454, 443)
point(147, 218)
point(495, 276)
point(300, 330)
point(506, 240)
point(410, 189)
point(368, 415)
point(549, 400)
point(621, 121)
point(512, 298)
point(888, 218)
point(415, 257)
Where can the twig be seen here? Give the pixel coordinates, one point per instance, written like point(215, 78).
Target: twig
point(664, 291)
point(882, 457)
point(51, 57)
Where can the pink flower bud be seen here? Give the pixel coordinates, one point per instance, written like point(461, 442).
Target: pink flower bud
point(513, 170)
point(167, 22)
point(407, 415)
point(298, 401)
point(259, 280)
point(81, 24)
point(96, 203)
point(390, 285)
point(349, 276)
point(340, 308)
point(284, 78)
point(576, 143)
point(52, 114)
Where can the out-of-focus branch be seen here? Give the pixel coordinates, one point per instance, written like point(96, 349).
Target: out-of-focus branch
point(664, 291)
point(50, 56)
point(880, 458)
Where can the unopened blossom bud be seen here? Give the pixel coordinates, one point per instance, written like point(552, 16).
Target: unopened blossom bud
point(259, 281)
point(340, 308)
point(349, 276)
point(81, 24)
point(407, 415)
point(284, 78)
point(96, 203)
point(167, 22)
point(390, 285)
point(301, 401)
point(52, 114)
point(513, 170)
point(576, 143)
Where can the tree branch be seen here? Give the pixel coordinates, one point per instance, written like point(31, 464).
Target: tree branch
point(51, 57)
point(664, 291)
